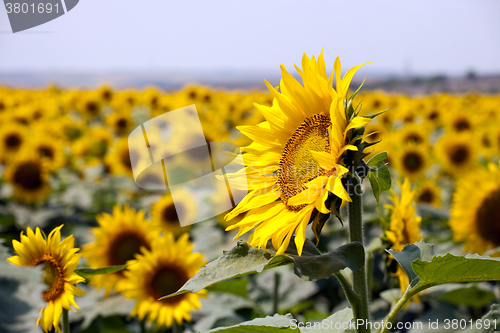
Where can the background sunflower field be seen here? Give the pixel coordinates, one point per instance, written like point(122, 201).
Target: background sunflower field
point(78, 234)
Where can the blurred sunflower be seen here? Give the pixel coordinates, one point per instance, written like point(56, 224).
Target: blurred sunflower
point(28, 175)
point(296, 158)
point(94, 144)
point(12, 138)
point(49, 150)
point(459, 122)
point(474, 214)
point(89, 105)
point(411, 160)
point(120, 157)
point(414, 134)
point(428, 192)
point(164, 212)
point(161, 271)
point(120, 122)
point(59, 260)
point(119, 237)
point(457, 153)
point(106, 94)
point(404, 226)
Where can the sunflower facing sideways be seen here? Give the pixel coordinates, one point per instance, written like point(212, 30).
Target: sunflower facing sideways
point(474, 214)
point(59, 260)
point(403, 226)
point(161, 271)
point(297, 156)
point(119, 237)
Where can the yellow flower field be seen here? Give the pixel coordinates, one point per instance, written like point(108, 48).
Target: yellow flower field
point(65, 159)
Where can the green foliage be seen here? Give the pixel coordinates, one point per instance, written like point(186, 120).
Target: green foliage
point(379, 175)
point(409, 254)
point(276, 323)
point(450, 269)
point(241, 260)
point(87, 272)
point(235, 286)
point(287, 323)
point(313, 265)
point(469, 296)
point(425, 269)
point(244, 259)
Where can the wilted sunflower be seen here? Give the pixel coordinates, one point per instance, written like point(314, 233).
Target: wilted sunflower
point(457, 153)
point(119, 237)
point(404, 226)
point(475, 213)
point(161, 271)
point(29, 177)
point(296, 158)
point(164, 212)
point(59, 260)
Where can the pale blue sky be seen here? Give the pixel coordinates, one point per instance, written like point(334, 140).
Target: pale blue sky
point(427, 36)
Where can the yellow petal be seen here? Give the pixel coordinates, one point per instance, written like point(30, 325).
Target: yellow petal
point(324, 159)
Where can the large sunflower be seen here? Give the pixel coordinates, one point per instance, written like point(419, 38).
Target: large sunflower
point(475, 217)
point(404, 225)
point(118, 239)
point(296, 158)
point(161, 271)
point(59, 260)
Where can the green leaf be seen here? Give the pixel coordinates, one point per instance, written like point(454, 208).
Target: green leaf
point(409, 254)
point(450, 269)
point(285, 324)
point(313, 265)
point(469, 296)
point(380, 180)
point(88, 272)
point(244, 259)
point(235, 286)
point(329, 324)
point(276, 323)
point(371, 116)
point(241, 260)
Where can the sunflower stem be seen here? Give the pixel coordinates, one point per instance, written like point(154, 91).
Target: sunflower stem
point(277, 277)
point(360, 283)
point(142, 326)
point(176, 328)
point(65, 321)
point(391, 316)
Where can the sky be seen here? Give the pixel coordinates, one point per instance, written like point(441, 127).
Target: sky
point(419, 37)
